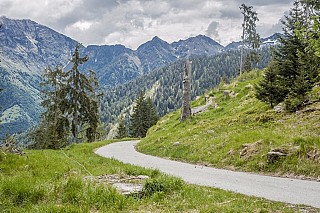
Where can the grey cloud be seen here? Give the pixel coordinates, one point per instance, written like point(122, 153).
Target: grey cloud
point(265, 2)
point(232, 13)
point(212, 30)
point(5, 5)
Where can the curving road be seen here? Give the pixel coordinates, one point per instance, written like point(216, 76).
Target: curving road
point(274, 188)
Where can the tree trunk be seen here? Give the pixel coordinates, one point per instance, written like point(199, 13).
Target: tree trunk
point(186, 99)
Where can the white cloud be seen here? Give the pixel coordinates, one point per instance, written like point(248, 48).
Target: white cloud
point(132, 22)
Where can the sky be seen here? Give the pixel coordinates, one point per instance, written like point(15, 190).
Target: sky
point(133, 22)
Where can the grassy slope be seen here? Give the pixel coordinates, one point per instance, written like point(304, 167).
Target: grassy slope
point(49, 181)
point(216, 137)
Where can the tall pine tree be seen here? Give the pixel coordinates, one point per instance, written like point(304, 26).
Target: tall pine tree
point(82, 106)
point(71, 105)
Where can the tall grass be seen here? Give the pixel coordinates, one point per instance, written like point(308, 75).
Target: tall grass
point(216, 137)
point(53, 181)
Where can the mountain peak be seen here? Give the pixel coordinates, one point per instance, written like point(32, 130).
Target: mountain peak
point(156, 38)
point(155, 41)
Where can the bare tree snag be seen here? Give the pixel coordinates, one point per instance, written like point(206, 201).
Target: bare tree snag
point(186, 98)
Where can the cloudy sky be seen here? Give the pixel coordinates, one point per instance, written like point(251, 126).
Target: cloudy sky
point(133, 22)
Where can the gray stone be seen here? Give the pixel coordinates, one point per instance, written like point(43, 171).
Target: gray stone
point(128, 188)
point(275, 156)
point(176, 143)
point(279, 108)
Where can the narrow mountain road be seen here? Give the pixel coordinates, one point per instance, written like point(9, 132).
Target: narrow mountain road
point(274, 188)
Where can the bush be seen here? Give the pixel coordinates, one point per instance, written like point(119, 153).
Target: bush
point(163, 184)
point(293, 103)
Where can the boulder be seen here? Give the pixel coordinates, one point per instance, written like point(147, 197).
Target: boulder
point(125, 184)
point(273, 156)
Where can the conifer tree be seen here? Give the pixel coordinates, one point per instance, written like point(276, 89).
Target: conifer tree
point(122, 128)
point(71, 105)
point(151, 113)
point(82, 105)
point(53, 129)
point(143, 117)
point(136, 119)
point(269, 90)
point(296, 63)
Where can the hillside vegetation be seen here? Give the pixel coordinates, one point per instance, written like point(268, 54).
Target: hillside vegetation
point(240, 131)
point(53, 181)
point(164, 85)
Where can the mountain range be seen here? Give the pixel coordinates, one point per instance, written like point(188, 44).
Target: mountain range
point(28, 47)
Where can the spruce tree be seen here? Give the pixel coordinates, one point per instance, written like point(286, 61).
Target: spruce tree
point(136, 127)
point(269, 90)
point(296, 63)
point(151, 112)
point(143, 117)
point(71, 105)
point(82, 102)
point(53, 129)
point(122, 130)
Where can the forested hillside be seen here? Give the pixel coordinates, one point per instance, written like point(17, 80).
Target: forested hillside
point(164, 85)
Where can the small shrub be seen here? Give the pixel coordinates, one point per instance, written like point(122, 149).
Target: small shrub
point(163, 184)
point(152, 186)
point(264, 118)
point(293, 103)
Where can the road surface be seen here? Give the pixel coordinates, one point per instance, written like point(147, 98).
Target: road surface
point(273, 188)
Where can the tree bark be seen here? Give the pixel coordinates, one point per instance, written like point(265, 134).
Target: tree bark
point(186, 99)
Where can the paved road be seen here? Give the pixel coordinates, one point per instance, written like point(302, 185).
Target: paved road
point(273, 188)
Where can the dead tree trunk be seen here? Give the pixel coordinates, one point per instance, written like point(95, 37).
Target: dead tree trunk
point(186, 99)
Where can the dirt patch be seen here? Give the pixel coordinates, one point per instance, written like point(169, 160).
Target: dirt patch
point(314, 155)
point(249, 150)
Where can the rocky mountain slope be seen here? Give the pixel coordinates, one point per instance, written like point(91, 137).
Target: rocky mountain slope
point(26, 49)
point(117, 64)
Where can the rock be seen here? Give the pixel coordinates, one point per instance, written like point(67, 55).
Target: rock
point(232, 94)
point(249, 86)
point(314, 154)
point(248, 150)
point(226, 92)
point(279, 108)
point(210, 131)
point(275, 156)
point(176, 143)
point(143, 177)
point(128, 188)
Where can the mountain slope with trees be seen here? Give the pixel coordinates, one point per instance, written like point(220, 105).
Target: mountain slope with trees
point(164, 86)
point(27, 48)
